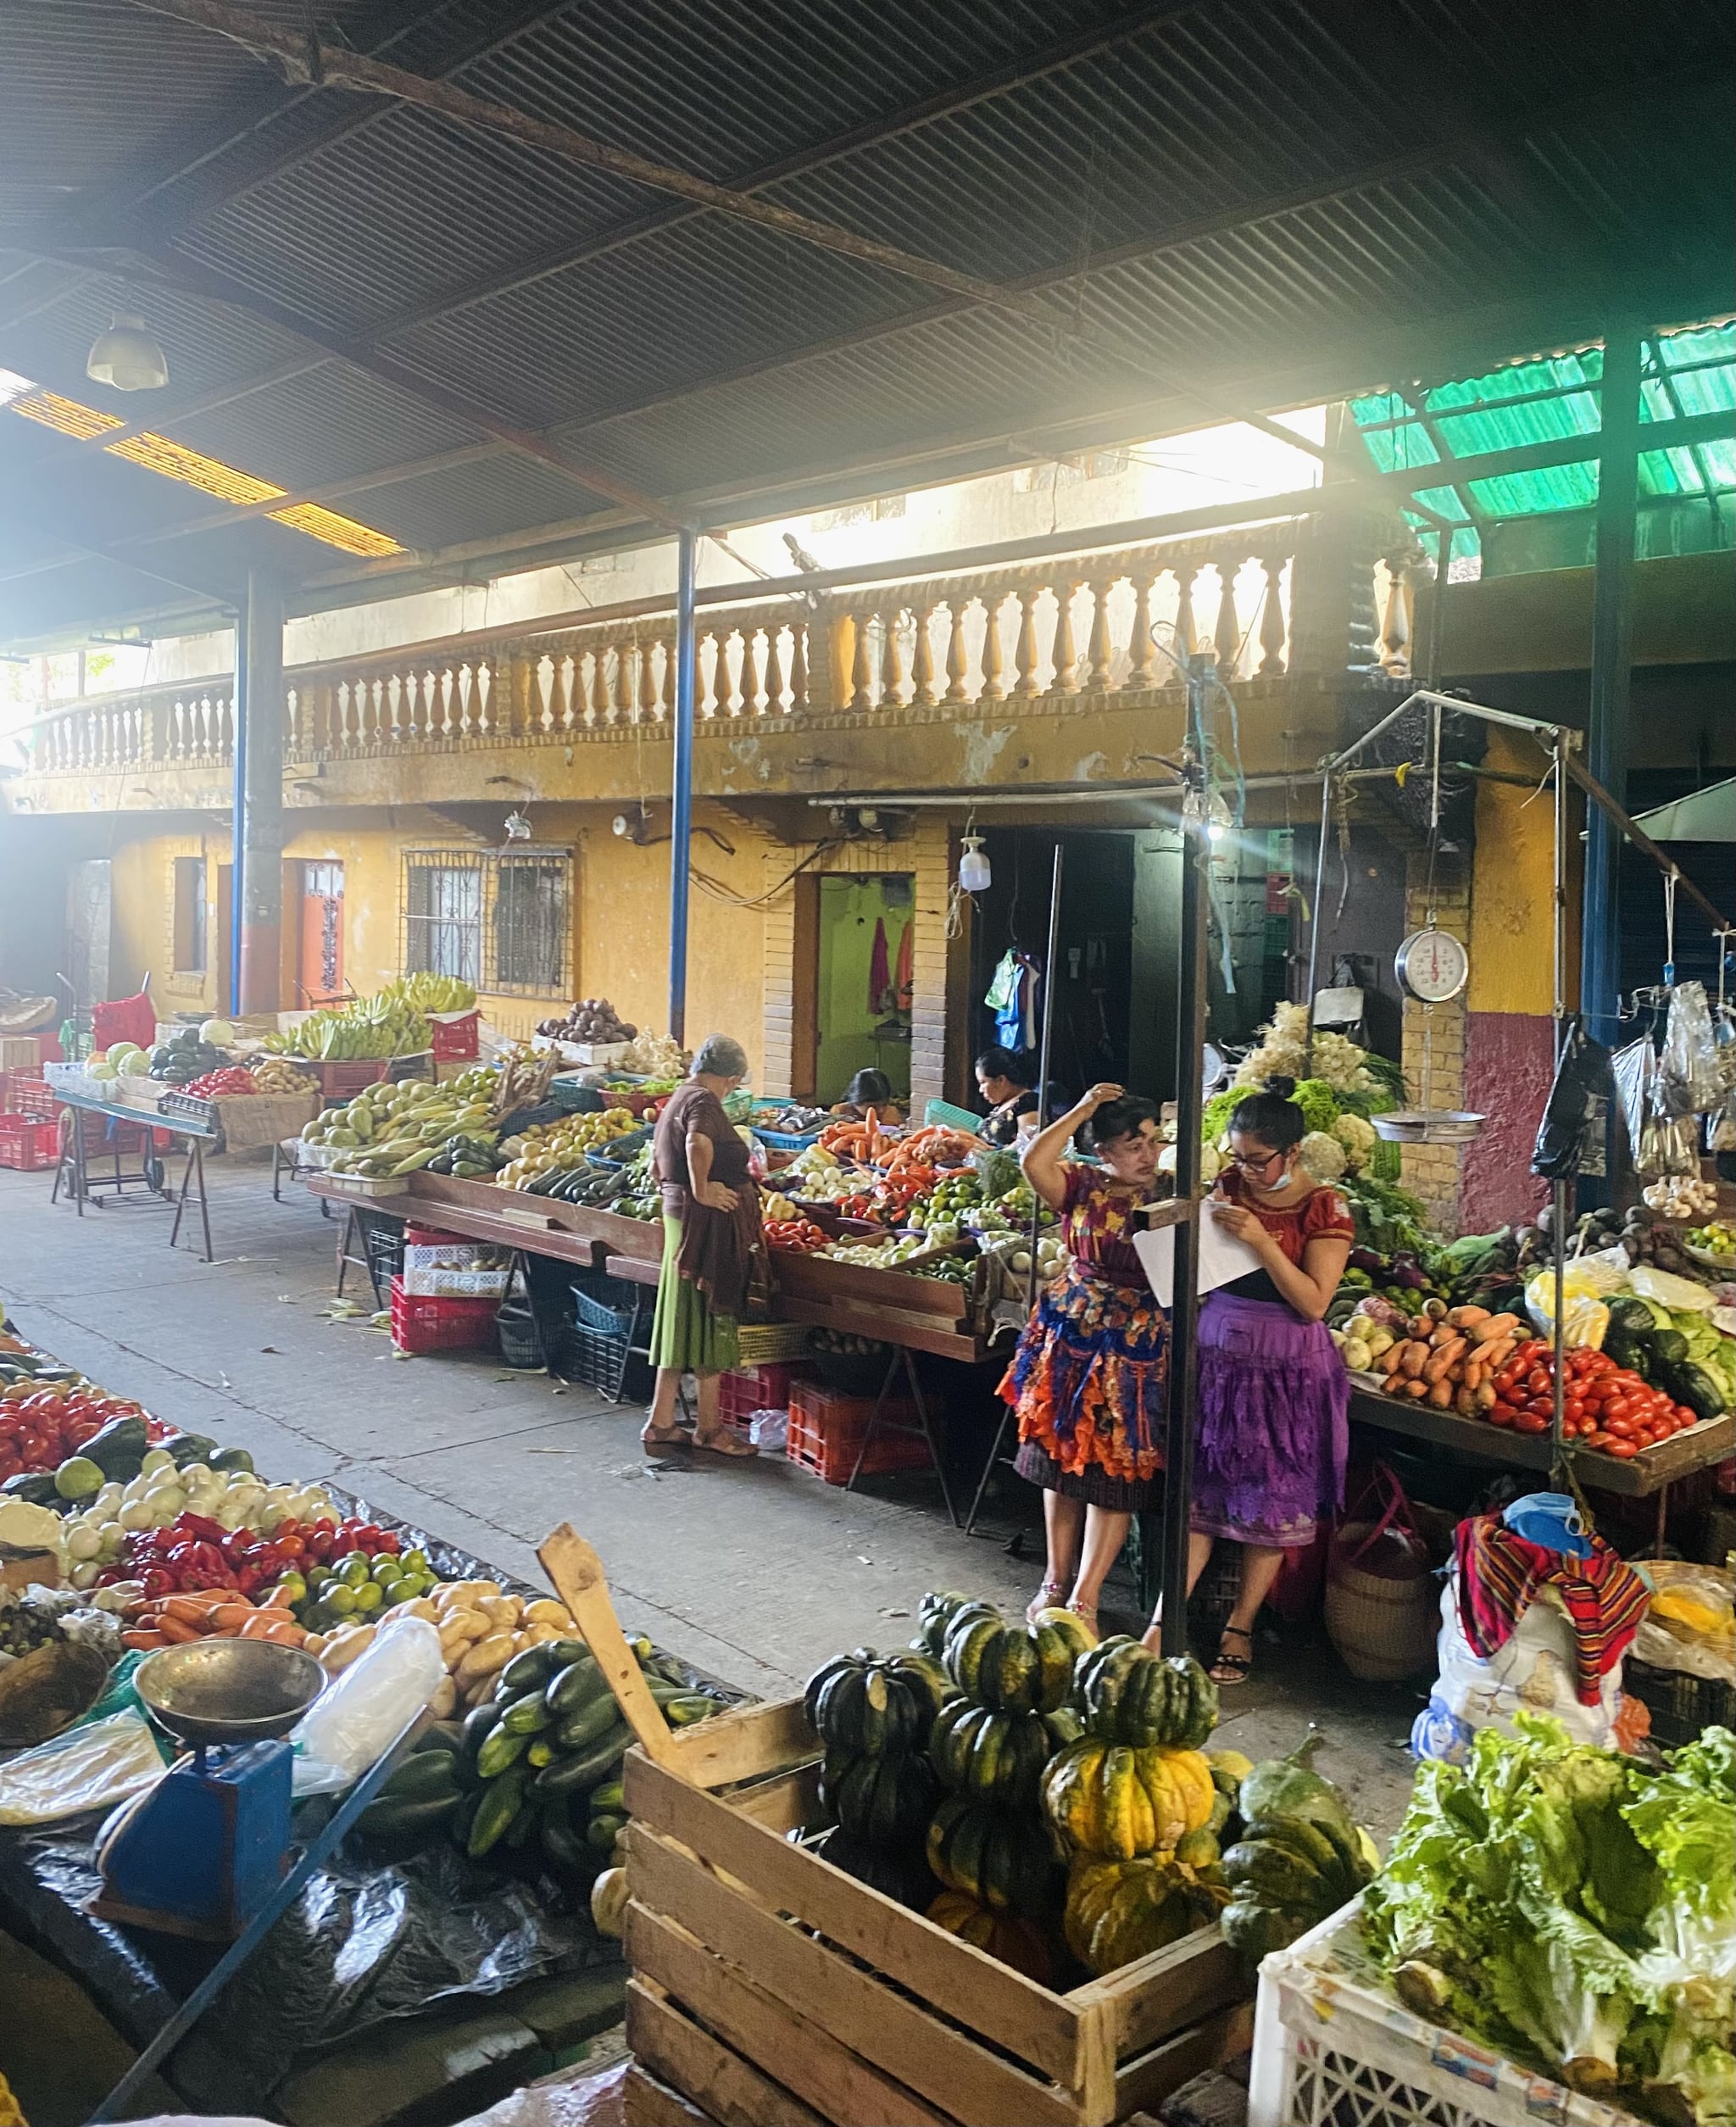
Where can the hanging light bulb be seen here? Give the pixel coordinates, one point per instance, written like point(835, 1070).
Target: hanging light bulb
point(975, 876)
point(127, 357)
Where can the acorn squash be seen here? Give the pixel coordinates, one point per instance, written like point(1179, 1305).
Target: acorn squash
point(1117, 1910)
point(883, 1800)
point(1017, 1668)
point(1014, 1940)
point(1112, 1800)
point(1131, 1696)
point(868, 1703)
point(998, 1858)
point(998, 1757)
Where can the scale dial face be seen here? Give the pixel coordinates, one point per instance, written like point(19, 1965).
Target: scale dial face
point(1433, 966)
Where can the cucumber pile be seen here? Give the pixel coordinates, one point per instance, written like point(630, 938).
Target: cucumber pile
point(534, 1772)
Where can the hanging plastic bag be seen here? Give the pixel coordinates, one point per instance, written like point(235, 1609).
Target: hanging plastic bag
point(1634, 1070)
point(1689, 1081)
point(357, 1718)
point(1582, 1078)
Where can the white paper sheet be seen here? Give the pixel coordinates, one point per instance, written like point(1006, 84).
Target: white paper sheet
point(1220, 1261)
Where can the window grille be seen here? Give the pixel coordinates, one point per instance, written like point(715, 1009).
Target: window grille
point(501, 923)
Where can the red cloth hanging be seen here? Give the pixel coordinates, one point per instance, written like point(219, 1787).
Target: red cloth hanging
point(879, 969)
point(124, 1019)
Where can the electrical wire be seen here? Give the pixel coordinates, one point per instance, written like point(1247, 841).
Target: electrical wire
point(719, 892)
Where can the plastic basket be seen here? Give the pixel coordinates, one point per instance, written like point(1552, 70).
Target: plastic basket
point(827, 1428)
point(950, 1118)
point(26, 1093)
point(341, 1078)
point(521, 1346)
point(1332, 2044)
point(423, 1325)
point(385, 1247)
point(1681, 1704)
point(457, 1040)
point(607, 1305)
point(619, 1150)
point(27, 1145)
point(751, 1389)
point(603, 1363)
point(568, 1097)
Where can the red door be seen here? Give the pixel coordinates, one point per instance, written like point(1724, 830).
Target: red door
point(319, 974)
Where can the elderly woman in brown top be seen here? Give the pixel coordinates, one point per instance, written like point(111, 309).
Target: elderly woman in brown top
point(711, 1229)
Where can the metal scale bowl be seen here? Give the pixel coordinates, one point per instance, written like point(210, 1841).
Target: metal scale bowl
point(199, 1853)
point(1428, 1126)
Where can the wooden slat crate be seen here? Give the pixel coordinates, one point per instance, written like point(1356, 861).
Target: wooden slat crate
point(771, 1988)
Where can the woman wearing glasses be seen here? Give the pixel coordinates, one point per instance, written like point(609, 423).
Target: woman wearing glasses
point(1272, 1424)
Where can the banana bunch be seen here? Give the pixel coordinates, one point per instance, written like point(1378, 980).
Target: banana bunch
point(395, 1129)
point(381, 1025)
point(426, 993)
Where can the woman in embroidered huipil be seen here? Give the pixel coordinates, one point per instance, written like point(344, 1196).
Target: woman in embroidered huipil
point(1088, 1379)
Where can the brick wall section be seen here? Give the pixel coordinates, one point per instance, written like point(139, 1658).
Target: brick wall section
point(1431, 1171)
point(924, 853)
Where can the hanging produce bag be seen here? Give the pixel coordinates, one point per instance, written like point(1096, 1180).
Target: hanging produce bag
point(1689, 1081)
point(1582, 1078)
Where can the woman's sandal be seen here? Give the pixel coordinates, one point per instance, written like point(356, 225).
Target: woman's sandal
point(1087, 1615)
point(664, 1440)
point(724, 1442)
point(1231, 1668)
point(1051, 1595)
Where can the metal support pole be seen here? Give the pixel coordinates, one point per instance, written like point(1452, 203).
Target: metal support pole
point(1190, 1042)
point(682, 815)
point(260, 845)
point(238, 809)
point(1044, 1048)
point(1558, 1190)
point(1611, 672)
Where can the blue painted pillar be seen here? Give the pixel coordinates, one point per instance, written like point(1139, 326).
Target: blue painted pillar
point(1608, 722)
point(681, 816)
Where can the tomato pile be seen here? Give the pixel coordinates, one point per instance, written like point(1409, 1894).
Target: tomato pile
point(195, 1553)
point(799, 1236)
point(217, 1085)
point(40, 1428)
point(1606, 1406)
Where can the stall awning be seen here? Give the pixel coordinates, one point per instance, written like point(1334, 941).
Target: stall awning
point(1704, 816)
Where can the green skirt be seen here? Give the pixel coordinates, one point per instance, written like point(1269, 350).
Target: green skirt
point(687, 1332)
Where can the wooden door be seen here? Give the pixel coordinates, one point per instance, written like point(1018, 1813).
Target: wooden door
point(319, 967)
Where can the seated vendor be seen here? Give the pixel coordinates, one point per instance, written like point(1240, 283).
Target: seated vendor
point(1008, 1083)
point(869, 1089)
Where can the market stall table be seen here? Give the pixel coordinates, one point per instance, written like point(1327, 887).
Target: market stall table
point(82, 1185)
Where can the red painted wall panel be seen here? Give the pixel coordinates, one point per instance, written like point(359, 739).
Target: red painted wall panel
point(1509, 1063)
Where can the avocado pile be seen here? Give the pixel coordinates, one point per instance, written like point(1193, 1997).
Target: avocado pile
point(184, 1057)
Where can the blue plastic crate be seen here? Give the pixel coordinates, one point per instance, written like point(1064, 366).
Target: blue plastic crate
point(619, 1150)
point(570, 1098)
point(607, 1305)
point(782, 1140)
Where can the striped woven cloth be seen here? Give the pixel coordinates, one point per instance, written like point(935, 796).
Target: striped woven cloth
point(1501, 1574)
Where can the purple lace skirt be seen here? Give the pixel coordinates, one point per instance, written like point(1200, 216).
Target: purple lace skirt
point(1272, 1429)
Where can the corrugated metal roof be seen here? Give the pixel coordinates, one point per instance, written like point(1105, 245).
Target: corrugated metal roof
point(1272, 197)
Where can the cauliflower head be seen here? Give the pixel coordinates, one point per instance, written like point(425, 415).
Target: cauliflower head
point(1322, 1155)
point(1359, 1139)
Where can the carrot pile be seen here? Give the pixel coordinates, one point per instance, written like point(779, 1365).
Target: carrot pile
point(210, 1614)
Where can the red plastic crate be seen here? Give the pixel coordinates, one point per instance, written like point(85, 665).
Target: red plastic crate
point(26, 1093)
point(421, 1324)
point(27, 1145)
point(431, 1237)
point(341, 1078)
point(457, 1040)
point(752, 1388)
point(826, 1430)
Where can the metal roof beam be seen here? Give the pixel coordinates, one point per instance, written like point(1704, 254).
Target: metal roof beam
point(154, 210)
point(338, 69)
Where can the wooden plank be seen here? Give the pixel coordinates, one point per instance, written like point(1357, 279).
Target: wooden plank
point(840, 2085)
point(647, 2101)
point(730, 2090)
point(1032, 2021)
point(863, 1319)
point(790, 1802)
point(946, 2066)
point(1154, 1995)
point(576, 1573)
point(1157, 2075)
point(823, 1277)
point(742, 1746)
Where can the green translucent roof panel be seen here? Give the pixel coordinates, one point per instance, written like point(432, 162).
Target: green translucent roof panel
point(1546, 398)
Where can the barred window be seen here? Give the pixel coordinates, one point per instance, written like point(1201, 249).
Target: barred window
point(501, 922)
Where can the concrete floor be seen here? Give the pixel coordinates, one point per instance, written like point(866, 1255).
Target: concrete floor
point(755, 1571)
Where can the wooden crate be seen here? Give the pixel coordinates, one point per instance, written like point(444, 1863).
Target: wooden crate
point(770, 1987)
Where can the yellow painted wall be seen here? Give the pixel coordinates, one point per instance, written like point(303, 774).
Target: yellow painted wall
point(621, 950)
point(1512, 886)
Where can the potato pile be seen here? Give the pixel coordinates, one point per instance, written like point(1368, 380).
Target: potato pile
point(480, 1630)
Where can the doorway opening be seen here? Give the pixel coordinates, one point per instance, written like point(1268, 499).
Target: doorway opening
point(862, 944)
point(320, 947)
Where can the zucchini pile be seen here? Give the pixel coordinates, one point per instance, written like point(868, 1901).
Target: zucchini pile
point(534, 1772)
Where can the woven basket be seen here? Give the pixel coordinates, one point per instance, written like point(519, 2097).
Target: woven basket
point(1383, 1623)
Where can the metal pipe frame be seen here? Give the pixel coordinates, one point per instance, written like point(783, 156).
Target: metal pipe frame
point(680, 825)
